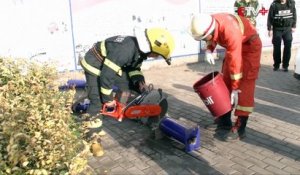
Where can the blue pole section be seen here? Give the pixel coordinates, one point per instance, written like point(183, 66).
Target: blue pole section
point(72, 30)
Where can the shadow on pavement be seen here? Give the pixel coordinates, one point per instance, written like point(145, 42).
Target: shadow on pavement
point(278, 95)
point(287, 148)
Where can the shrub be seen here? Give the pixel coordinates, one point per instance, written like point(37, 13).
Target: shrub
point(37, 133)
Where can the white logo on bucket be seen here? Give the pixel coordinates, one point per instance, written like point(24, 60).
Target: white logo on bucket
point(208, 101)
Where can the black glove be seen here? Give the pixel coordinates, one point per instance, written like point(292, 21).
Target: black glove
point(110, 106)
point(143, 87)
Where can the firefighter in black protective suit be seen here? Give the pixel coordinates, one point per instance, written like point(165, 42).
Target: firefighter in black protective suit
point(281, 24)
point(117, 61)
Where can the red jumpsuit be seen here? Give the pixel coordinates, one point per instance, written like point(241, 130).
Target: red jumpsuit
point(242, 59)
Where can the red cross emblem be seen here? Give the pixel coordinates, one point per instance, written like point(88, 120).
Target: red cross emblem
point(263, 11)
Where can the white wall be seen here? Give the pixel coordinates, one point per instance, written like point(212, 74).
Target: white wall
point(29, 27)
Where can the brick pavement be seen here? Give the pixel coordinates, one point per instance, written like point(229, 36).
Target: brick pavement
point(272, 145)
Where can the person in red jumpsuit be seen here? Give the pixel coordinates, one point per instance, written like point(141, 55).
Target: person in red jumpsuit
point(240, 66)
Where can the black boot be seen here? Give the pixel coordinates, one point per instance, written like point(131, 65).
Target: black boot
point(223, 126)
point(224, 122)
point(238, 131)
point(242, 128)
point(221, 123)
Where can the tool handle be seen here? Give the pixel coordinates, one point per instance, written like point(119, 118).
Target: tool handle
point(117, 113)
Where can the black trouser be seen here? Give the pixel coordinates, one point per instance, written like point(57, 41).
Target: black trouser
point(225, 120)
point(123, 83)
point(287, 37)
point(93, 86)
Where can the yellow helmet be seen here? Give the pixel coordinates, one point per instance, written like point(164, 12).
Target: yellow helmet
point(161, 42)
point(201, 26)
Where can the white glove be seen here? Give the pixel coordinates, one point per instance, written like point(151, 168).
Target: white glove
point(235, 97)
point(209, 57)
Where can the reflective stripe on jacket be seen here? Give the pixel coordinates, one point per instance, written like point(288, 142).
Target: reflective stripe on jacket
point(120, 54)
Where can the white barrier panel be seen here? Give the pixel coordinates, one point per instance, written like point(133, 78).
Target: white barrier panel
point(54, 30)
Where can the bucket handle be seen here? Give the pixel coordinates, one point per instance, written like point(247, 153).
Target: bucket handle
point(211, 68)
point(213, 78)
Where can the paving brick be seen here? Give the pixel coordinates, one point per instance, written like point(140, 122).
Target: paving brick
point(162, 172)
point(271, 155)
point(285, 131)
point(129, 156)
point(268, 124)
point(296, 133)
point(119, 171)
point(237, 146)
point(126, 164)
point(135, 171)
point(291, 170)
point(224, 168)
point(276, 170)
point(290, 163)
point(242, 162)
point(254, 155)
point(146, 150)
point(276, 136)
point(222, 160)
point(293, 141)
point(149, 171)
point(257, 162)
point(113, 155)
point(282, 147)
point(140, 164)
point(207, 152)
point(259, 170)
point(144, 158)
point(274, 163)
point(239, 154)
point(242, 169)
point(256, 149)
point(264, 141)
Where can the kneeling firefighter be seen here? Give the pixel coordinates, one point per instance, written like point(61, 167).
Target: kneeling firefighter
point(117, 61)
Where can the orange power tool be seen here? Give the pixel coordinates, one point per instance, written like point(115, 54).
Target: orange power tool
point(151, 103)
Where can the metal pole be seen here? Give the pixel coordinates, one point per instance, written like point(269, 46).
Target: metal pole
point(72, 30)
point(199, 6)
point(201, 52)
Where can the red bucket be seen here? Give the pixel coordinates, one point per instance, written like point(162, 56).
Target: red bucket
point(214, 93)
